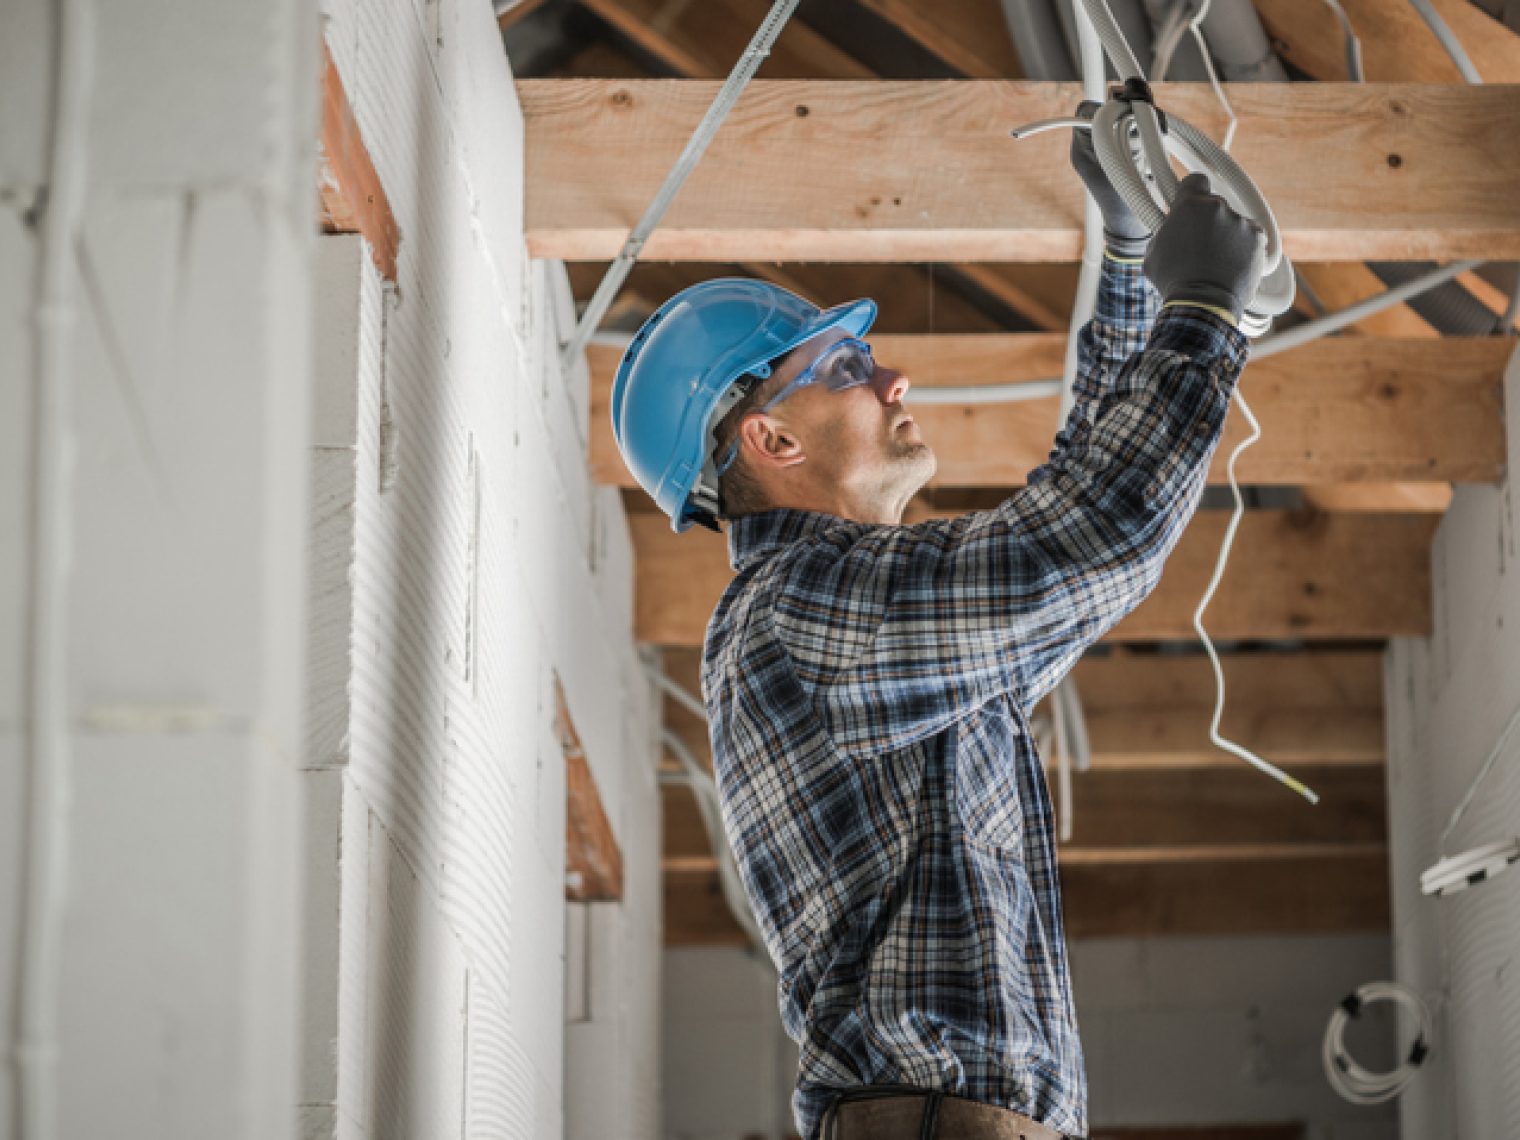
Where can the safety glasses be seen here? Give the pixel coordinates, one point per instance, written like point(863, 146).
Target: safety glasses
point(845, 364)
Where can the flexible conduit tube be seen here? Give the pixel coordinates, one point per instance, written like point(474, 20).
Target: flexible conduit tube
point(46, 732)
point(1111, 130)
point(744, 70)
point(1313, 330)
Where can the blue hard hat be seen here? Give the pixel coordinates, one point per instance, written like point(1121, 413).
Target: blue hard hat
point(675, 382)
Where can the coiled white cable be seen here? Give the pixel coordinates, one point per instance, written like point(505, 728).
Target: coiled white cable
point(1146, 181)
point(1346, 1076)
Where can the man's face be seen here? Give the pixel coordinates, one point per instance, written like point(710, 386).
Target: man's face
point(862, 440)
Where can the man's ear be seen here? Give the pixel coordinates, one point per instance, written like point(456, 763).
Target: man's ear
point(769, 443)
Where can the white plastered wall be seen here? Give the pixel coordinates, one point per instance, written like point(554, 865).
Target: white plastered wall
point(462, 563)
point(1449, 697)
point(188, 350)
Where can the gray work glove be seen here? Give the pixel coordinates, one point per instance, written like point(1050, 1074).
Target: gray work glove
point(1123, 233)
point(1205, 252)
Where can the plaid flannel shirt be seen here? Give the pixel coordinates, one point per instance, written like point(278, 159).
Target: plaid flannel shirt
point(869, 690)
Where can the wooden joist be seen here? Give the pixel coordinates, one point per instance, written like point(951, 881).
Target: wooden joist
point(970, 36)
point(1292, 575)
point(1281, 891)
point(1148, 711)
point(1214, 813)
point(1396, 43)
point(593, 859)
point(1339, 410)
point(1352, 171)
point(706, 38)
point(352, 198)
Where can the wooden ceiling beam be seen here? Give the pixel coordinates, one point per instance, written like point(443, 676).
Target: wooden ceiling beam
point(704, 40)
point(1152, 710)
point(1397, 46)
point(1338, 410)
point(1353, 172)
point(1293, 575)
point(970, 36)
point(1302, 891)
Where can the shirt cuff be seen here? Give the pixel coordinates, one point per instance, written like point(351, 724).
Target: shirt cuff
point(1223, 314)
point(1199, 332)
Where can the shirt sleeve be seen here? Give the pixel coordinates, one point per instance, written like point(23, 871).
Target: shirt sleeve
point(896, 631)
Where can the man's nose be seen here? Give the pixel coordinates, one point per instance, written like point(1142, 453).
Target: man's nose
point(890, 386)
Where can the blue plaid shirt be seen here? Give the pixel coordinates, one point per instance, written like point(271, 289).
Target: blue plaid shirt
point(869, 690)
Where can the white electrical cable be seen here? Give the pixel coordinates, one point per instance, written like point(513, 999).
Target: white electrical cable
point(1354, 70)
point(1313, 330)
point(34, 1049)
point(1063, 766)
point(1346, 1076)
point(1448, 39)
point(1149, 185)
point(1501, 746)
point(744, 70)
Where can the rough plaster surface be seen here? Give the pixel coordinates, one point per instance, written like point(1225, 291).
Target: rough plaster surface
point(1449, 698)
point(188, 363)
point(1177, 1031)
point(462, 561)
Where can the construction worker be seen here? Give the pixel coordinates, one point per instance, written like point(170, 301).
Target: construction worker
point(869, 684)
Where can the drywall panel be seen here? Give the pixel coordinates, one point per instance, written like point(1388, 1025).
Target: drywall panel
point(179, 461)
point(1449, 698)
point(321, 881)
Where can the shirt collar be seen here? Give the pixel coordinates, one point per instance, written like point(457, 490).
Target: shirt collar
point(752, 537)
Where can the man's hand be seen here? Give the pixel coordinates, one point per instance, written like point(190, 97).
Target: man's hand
point(1205, 253)
point(1123, 233)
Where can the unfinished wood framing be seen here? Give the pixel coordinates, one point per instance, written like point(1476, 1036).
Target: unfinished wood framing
point(1340, 410)
point(352, 199)
point(1283, 893)
point(1396, 43)
point(1353, 172)
point(593, 859)
point(1295, 575)
point(969, 35)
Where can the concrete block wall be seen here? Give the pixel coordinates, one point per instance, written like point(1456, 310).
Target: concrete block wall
point(1449, 698)
point(1176, 1031)
point(464, 565)
point(187, 346)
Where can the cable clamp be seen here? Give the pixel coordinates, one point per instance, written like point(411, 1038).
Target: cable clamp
point(1352, 1004)
point(1136, 90)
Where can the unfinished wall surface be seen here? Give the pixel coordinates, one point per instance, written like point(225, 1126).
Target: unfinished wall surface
point(464, 568)
point(187, 334)
point(1177, 1031)
point(1449, 698)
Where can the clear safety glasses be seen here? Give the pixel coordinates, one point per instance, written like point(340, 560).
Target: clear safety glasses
point(846, 364)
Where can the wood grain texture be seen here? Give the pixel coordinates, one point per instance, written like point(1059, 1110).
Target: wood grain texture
point(968, 35)
point(352, 198)
point(1339, 410)
point(593, 859)
point(1397, 46)
point(703, 40)
point(1309, 892)
point(1293, 575)
point(1353, 172)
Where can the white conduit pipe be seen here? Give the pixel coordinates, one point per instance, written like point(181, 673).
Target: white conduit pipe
point(1448, 39)
point(34, 1050)
point(1152, 185)
point(744, 70)
point(1313, 330)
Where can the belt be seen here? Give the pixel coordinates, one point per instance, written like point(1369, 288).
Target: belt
point(899, 1112)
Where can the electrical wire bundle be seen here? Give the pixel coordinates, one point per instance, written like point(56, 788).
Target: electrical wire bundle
point(1350, 1079)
